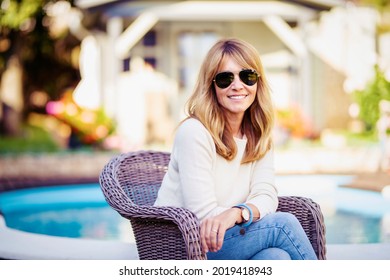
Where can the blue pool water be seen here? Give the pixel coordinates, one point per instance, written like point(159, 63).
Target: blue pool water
point(351, 215)
point(80, 211)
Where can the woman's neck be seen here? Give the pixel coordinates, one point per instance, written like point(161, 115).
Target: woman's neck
point(235, 127)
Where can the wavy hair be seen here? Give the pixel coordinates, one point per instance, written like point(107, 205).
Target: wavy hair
point(258, 119)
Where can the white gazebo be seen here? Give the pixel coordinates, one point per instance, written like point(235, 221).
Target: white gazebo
point(277, 28)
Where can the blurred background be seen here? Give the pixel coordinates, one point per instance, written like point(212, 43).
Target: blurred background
point(82, 81)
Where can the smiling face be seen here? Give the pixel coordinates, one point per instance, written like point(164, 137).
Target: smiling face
point(237, 97)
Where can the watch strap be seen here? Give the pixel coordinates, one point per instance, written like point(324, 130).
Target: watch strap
point(243, 205)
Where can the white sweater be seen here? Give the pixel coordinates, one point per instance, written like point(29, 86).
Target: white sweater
point(207, 184)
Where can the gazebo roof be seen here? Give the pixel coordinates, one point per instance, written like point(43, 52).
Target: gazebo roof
point(145, 14)
point(128, 8)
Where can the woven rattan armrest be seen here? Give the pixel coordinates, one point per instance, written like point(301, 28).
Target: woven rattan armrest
point(310, 216)
point(161, 232)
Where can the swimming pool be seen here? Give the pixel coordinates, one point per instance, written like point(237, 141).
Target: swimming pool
point(77, 211)
point(80, 211)
point(352, 216)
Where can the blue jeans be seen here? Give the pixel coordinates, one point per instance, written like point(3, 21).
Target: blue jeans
point(276, 236)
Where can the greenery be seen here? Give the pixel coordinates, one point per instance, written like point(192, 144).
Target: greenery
point(368, 99)
point(44, 58)
point(35, 139)
point(14, 13)
point(361, 139)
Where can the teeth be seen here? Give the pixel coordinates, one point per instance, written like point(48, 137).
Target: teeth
point(237, 96)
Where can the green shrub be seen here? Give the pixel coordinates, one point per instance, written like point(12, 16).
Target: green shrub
point(33, 139)
point(368, 99)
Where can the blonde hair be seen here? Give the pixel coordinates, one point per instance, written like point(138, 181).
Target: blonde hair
point(259, 117)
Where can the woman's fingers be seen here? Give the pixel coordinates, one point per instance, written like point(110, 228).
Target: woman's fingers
point(213, 229)
point(205, 247)
point(212, 233)
point(221, 236)
point(214, 238)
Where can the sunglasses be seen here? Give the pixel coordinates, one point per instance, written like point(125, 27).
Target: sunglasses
point(247, 76)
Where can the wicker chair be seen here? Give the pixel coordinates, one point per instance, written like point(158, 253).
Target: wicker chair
point(130, 183)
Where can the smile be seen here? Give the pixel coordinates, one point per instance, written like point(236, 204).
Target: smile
point(237, 97)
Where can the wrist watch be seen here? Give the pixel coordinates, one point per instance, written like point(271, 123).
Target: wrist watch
point(246, 214)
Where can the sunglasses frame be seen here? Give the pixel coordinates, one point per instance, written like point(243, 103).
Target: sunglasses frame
point(231, 75)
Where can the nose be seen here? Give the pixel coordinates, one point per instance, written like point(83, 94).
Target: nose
point(237, 83)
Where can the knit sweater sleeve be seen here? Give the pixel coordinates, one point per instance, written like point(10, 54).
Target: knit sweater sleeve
point(263, 192)
point(195, 154)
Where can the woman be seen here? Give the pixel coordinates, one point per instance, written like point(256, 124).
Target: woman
point(221, 164)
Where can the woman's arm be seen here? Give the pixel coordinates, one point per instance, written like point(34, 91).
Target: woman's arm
point(263, 196)
point(194, 152)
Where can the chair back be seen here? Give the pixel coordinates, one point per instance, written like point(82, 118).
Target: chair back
point(130, 183)
point(140, 175)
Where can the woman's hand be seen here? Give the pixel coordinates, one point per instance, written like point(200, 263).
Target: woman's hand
point(212, 230)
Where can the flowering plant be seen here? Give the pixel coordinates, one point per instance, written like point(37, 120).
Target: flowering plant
point(90, 126)
point(293, 121)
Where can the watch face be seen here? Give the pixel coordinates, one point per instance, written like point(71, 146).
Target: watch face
point(245, 214)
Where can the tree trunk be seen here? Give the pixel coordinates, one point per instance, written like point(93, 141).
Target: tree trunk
point(11, 97)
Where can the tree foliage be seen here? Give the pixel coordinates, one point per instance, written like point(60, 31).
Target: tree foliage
point(13, 14)
point(45, 61)
point(368, 99)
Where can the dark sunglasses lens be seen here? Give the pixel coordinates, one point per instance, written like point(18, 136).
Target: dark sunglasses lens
point(224, 79)
point(248, 77)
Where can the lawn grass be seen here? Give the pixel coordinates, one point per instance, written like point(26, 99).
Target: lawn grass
point(33, 139)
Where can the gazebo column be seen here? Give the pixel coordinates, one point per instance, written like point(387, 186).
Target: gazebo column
point(296, 45)
point(112, 66)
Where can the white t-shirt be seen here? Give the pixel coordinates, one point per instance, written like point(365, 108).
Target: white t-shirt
point(207, 184)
